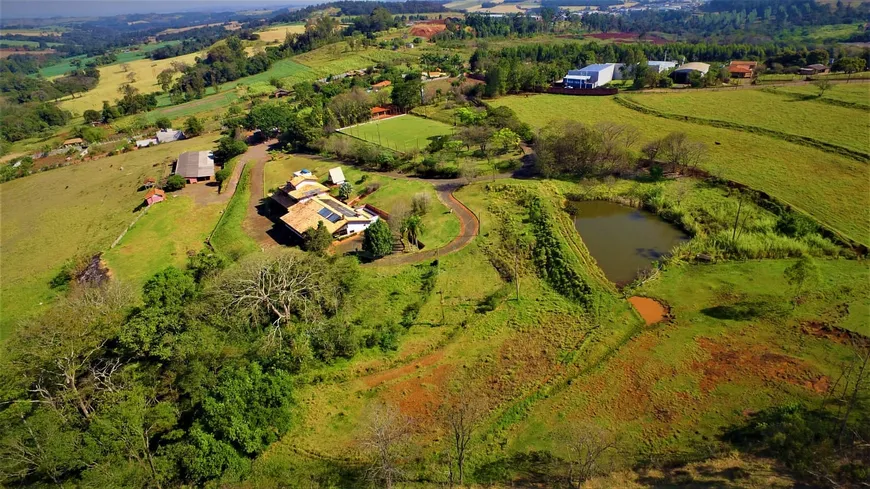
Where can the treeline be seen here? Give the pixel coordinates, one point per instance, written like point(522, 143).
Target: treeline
point(731, 20)
point(191, 41)
point(25, 121)
point(356, 8)
point(22, 89)
point(481, 25)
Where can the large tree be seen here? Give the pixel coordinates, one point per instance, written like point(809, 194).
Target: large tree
point(378, 240)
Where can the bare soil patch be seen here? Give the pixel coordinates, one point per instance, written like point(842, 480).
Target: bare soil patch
point(651, 310)
point(377, 379)
point(729, 363)
point(427, 30)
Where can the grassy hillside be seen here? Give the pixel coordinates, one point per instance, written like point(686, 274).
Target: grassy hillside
point(839, 126)
point(785, 170)
point(53, 217)
point(113, 76)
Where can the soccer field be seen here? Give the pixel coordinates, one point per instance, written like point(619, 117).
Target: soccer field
point(401, 133)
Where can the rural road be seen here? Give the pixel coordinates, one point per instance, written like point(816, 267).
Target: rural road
point(256, 224)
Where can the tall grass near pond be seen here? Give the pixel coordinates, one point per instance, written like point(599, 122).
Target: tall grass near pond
point(723, 223)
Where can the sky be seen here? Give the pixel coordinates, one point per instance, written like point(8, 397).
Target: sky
point(13, 9)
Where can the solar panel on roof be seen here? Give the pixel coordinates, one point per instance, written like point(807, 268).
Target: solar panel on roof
point(329, 215)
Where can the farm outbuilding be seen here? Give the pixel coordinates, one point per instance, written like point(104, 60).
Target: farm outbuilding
point(195, 166)
point(815, 69)
point(681, 74)
point(153, 196)
point(169, 135)
point(592, 76)
point(73, 142)
point(382, 84)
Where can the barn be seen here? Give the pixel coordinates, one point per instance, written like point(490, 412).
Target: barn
point(195, 166)
point(592, 76)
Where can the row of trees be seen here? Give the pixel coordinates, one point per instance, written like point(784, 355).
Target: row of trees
point(575, 148)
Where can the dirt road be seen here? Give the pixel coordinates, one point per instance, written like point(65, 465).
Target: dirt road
point(257, 223)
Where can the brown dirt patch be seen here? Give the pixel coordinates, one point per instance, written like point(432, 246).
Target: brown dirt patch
point(651, 310)
point(729, 363)
point(394, 373)
point(833, 333)
point(420, 397)
point(427, 30)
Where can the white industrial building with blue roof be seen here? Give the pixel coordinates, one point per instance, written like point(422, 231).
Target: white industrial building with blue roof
point(592, 76)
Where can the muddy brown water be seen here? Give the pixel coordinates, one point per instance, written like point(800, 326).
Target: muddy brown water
point(650, 310)
point(624, 240)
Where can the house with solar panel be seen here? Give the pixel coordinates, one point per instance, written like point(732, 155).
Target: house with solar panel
point(307, 202)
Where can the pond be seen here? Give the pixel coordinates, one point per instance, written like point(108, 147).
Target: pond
point(623, 240)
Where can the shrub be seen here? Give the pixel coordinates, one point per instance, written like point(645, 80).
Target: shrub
point(228, 148)
point(193, 126)
point(174, 182)
point(163, 123)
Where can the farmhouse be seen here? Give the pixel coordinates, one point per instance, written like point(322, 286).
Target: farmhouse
point(742, 69)
point(381, 112)
point(195, 166)
point(815, 69)
point(592, 76)
point(153, 196)
point(307, 202)
point(681, 74)
point(336, 176)
point(383, 84)
point(168, 135)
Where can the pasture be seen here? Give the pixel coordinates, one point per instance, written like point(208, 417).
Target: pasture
point(338, 58)
point(57, 216)
point(278, 33)
point(857, 94)
point(757, 108)
point(401, 133)
point(734, 345)
point(785, 170)
point(113, 76)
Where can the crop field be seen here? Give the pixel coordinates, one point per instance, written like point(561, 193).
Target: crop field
point(337, 58)
point(48, 31)
point(401, 133)
point(278, 33)
point(71, 212)
point(785, 170)
point(756, 108)
point(440, 226)
point(113, 76)
point(734, 345)
point(30, 44)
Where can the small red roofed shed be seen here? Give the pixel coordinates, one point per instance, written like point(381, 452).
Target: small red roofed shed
point(154, 195)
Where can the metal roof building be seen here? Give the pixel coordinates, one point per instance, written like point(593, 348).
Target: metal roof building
point(195, 166)
point(592, 76)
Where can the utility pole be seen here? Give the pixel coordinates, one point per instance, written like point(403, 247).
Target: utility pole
point(517, 268)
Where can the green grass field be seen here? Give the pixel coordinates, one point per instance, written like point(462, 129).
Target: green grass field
point(756, 108)
point(850, 93)
point(785, 170)
point(401, 133)
point(162, 237)
point(734, 345)
point(440, 226)
point(65, 65)
point(229, 238)
point(53, 217)
point(30, 44)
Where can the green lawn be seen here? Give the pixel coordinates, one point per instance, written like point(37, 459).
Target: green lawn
point(839, 126)
point(229, 238)
point(400, 133)
point(52, 217)
point(787, 171)
point(162, 237)
point(440, 226)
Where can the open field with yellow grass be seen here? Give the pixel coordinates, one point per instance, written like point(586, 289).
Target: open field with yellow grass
point(112, 77)
point(277, 34)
